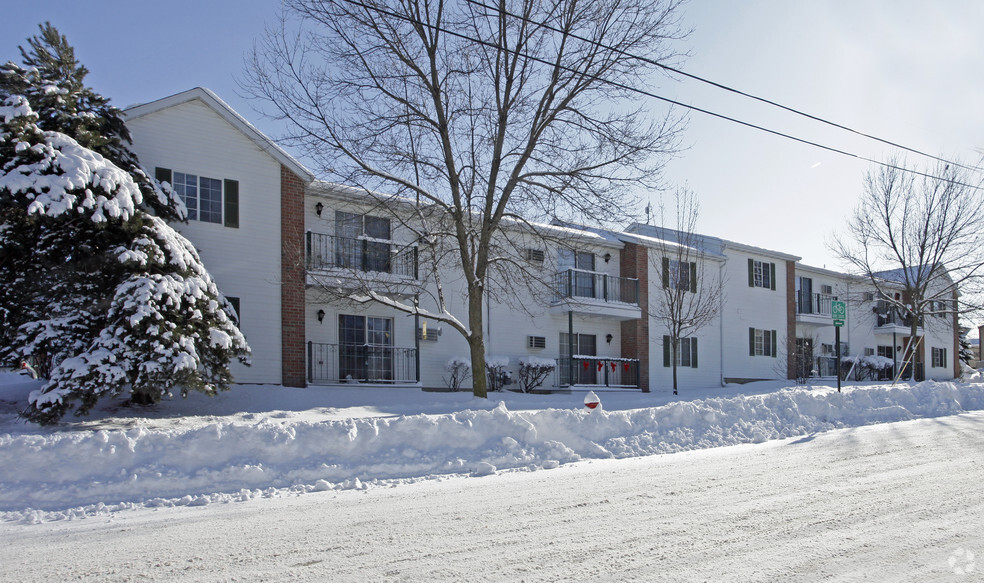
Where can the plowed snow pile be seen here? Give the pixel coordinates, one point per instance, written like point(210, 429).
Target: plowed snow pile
point(67, 472)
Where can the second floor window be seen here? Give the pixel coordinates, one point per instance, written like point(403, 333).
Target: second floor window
point(209, 200)
point(761, 274)
point(679, 274)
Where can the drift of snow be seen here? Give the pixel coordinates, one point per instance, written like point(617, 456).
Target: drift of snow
point(108, 465)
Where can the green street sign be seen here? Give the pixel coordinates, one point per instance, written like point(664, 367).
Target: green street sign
point(838, 311)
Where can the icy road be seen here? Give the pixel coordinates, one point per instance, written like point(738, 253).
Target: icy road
point(892, 502)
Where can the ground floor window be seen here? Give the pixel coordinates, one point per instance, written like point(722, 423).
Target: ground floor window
point(686, 354)
point(939, 357)
point(761, 342)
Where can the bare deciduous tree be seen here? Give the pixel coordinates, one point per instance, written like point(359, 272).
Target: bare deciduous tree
point(690, 296)
point(484, 116)
point(918, 238)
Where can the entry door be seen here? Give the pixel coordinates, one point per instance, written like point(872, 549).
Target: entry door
point(806, 295)
point(365, 348)
point(584, 345)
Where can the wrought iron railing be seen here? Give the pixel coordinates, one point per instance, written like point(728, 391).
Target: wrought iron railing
point(339, 363)
point(577, 283)
point(328, 251)
point(598, 371)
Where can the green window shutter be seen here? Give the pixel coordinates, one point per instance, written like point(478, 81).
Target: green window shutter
point(693, 353)
point(693, 276)
point(773, 344)
point(163, 174)
point(751, 342)
point(666, 351)
point(666, 272)
point(751, 273)
point(772, 276)
point(231, 203)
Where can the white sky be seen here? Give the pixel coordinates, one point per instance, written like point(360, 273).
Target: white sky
point(905, 70)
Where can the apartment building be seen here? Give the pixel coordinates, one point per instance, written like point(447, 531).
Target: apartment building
point(290, 250)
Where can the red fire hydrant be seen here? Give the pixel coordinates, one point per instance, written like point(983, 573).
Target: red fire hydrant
point(591, 400)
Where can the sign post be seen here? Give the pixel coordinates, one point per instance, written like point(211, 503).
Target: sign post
point(838, 312)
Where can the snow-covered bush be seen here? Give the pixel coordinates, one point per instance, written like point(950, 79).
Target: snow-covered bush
point(94, 284)
point(867, 367)
point(498, 373)
point(533, 371)
point(458, 369)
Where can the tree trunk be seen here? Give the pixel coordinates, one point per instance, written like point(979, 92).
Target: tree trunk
point(673, 363)
point(476, 343)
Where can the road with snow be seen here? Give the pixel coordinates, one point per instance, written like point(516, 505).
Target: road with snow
point(891, 502)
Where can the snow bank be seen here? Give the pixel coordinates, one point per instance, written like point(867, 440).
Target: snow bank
point(65, 474)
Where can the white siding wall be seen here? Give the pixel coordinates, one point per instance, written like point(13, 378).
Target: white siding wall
point(708, 371)
point(245, 262)
point(752, 307)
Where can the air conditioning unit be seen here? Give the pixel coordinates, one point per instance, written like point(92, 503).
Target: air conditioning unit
point(536, 341)
point(535, 255)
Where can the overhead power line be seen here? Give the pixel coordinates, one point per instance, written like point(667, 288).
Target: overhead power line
point(527, 56)
point(724, 87)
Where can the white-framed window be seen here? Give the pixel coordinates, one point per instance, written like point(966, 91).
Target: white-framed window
point(686, 354)
point(761, 342)
point(679, 274)
point(939, 357)
point(761, 274)
point(208, 200)
point(938, 309)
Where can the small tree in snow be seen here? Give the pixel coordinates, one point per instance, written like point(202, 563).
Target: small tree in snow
point(95, 284)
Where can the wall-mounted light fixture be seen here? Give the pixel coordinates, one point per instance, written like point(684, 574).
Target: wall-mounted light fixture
point(608, 257)
point(608, 338)
point(318, 208)
point(321, 316)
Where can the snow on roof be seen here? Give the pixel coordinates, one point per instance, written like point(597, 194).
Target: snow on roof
point(229, 114)
point(710, 245)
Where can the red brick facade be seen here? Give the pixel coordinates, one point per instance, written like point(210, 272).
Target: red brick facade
point(292, 278)
point(634, 262)
point(791, 319)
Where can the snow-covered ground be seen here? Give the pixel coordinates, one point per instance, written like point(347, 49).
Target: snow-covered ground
point(889, 502)
point(256, 441)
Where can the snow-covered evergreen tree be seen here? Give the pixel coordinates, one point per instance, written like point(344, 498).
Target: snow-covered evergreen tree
point(95, 287)
point(967, 352)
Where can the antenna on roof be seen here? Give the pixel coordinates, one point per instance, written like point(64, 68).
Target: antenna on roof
point(649, 212)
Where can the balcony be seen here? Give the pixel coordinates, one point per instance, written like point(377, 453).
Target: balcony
point(376, 260)
point(597, 294)
point(330, 364)
point(598, 372)
point(888, 320)
point(813, 308)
